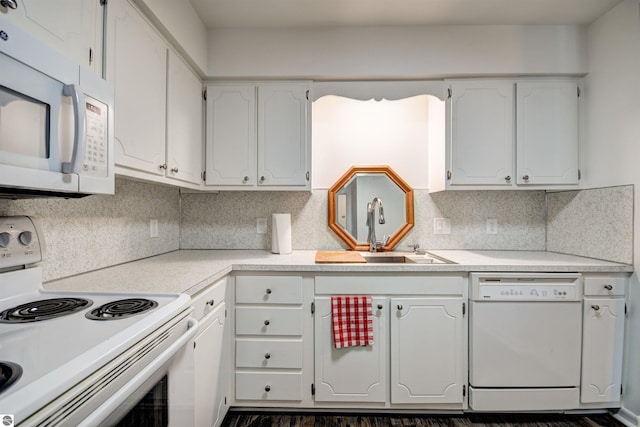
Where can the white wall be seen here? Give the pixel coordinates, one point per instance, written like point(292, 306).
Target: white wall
point(612, 149)
point(400, 52)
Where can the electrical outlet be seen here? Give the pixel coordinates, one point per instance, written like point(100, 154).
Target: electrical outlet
point(153, 228)
point(441, 226)
point(261, 225)
point(492, 226)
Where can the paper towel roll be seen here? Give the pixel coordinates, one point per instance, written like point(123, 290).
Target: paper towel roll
point(281, 234)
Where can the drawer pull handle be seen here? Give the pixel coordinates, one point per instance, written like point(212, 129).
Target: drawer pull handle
point(595, 307)
point(608, 287)
point(267, 356)
point(526, 177)
point(268, 291)
point(267, 388)
point(399, 306)
point(379, 306)
point(266, 323)
point(211, 302)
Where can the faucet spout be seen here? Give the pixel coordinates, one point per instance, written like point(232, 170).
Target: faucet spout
point(371, 222)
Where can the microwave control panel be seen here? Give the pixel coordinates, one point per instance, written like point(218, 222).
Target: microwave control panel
point(96, 154)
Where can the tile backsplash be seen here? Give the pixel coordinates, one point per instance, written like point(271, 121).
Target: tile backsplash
point(99, 231)
point(227, 220)
point(596, 223)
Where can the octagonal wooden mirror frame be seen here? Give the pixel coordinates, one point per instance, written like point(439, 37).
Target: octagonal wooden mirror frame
point(352, 174)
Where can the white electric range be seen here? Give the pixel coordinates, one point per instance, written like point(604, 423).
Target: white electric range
point(69, 358)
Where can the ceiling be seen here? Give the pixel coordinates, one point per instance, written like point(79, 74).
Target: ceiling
point(328, 13)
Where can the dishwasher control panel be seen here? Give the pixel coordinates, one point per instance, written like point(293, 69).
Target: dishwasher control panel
point(526, 287)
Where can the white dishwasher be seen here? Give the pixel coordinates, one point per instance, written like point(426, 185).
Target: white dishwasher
point(525, 340)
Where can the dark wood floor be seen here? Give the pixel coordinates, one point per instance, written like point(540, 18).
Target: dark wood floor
point(269, 419)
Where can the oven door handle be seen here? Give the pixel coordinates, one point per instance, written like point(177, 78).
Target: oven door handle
point(119, 397)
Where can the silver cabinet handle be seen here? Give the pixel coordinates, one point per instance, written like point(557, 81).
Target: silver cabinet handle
point(507, 178)
point(379, 306)
point(400, 307)
point(245, 179)
point(595, 307)
point(608, 287)
point(210, 302)
point(266, 323)
point(526, 177)
point(267, 388)
point(268, 291)
point(11, 4)
point(174, 170)
point(163, 166)
point(262, 179)
point(267, 356)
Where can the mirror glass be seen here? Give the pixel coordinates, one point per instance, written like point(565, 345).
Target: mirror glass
point(349, 198)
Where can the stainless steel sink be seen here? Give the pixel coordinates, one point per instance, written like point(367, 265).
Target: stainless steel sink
point(402, 258)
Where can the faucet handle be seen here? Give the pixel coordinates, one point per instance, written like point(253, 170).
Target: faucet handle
point(417, 250)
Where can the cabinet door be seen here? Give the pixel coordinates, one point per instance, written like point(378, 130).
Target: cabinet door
point(283, 148)
point(210, 370)
point(547, 132)
point(352, 374)
point(231, 136)
point(427, 350)
point(136, 65)
point(480, 143)
point(602, 349)
point(72, 27)
point(184, 122)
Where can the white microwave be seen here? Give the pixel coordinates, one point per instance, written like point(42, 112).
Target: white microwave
point(56, 122)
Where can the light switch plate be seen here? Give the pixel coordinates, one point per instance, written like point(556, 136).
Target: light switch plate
point(153, 228)
point(492, 226)
point(261, 225)
point(441, 226)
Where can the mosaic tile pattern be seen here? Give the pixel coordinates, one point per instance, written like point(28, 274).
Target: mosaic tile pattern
point(99, 231)
point(596, 223)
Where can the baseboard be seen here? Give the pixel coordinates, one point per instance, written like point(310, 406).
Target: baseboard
point(627, 417)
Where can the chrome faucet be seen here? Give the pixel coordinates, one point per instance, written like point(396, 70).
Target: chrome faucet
point(371, 223)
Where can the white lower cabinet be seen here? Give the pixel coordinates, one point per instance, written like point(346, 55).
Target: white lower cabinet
point(603, 340)
point(269, 351)
point(427, 350)
point(199, 378)
point(419, 355)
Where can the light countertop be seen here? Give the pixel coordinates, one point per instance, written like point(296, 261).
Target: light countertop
point(189, 271)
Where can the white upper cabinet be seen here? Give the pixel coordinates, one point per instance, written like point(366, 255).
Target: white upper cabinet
point(509, 134)
point(73, 27)
point(231, 136)
point(258, 136)
point(184, 123)
point(136, 65)
point(159, 105)
point(547, 132)
point(481, 147)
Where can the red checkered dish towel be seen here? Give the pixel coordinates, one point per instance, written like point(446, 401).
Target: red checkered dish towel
point(352, 321)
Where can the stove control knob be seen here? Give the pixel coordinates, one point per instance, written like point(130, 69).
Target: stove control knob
point(5, 238)
point(25, 238)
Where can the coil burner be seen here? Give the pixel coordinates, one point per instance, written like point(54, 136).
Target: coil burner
point(9, 374)
point(43, 309)
point(121, 309)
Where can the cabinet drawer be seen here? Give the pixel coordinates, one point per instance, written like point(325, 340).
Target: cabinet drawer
point(268, 354)
point(205, 300)
point(269, 386)
point(269, 289)
point(604, 285)
point(268, 321)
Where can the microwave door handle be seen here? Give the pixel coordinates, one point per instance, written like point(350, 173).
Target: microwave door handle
point(80, 129)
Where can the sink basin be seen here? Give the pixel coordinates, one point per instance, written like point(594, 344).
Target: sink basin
point(402, 258)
